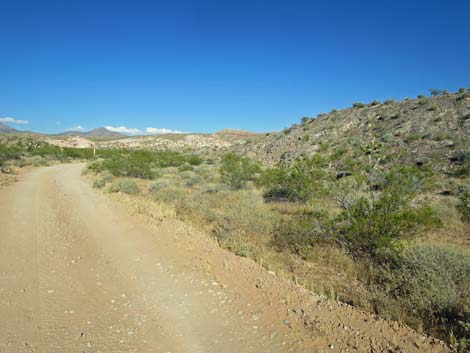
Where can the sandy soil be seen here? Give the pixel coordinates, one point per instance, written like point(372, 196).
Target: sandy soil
point(80, 273)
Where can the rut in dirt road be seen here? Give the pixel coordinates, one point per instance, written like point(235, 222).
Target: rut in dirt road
point(80, 276)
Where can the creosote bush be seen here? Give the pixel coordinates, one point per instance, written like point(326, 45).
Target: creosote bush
point(297, 182)
point(236, 170)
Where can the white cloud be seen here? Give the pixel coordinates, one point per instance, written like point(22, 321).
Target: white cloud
point(159, 131)
point(13, 121)
point(124, 130)
point(77, 128)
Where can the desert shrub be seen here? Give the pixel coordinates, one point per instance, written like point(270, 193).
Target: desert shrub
point(436, 92)
point(185, 167)
point(297, 182)
point(212, 188)
point(102, 181)
point(374, 103)
point(37, 161)
point(124, 186)
point(383, 215)
point(301, 233)
point(305, 120)
point(99, 183)
point(447, 212)
point(463, 156)
point(158, 185)
point(193, 181)
point(431, 283)
point(243, 216)
point(358, 105)
point(237, 170)
point(389, 101)
point(464, 204)
point(9, 153)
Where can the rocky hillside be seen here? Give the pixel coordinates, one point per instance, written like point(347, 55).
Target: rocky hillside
point(219, 141)
point(426, 129)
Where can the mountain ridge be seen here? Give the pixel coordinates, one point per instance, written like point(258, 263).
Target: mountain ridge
point(7, 129)
point(97, 132)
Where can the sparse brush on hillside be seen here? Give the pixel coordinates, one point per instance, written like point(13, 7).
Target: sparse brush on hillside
point(345, 212)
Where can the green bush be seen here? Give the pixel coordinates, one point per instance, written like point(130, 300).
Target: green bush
point(383, 215)
point(124, 186)
point(301, 234)
point(358, 105)
point(8, 153)
point(99, 183)
point(158, 185)
point(464, 204)
point(237, 170)
point(185, 167)
point(102, 181)
point(193, 181)
point(297, 182)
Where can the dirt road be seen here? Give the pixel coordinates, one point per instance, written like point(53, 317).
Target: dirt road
point(78, 273)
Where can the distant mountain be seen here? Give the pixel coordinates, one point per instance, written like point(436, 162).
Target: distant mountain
point(99, 132)
point(7, 129)
point(103, 132)
point(235, 132)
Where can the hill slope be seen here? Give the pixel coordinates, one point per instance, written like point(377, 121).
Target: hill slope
point(434, 129)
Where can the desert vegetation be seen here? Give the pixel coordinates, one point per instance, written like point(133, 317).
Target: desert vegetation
point(351, 224)
point(21, 151)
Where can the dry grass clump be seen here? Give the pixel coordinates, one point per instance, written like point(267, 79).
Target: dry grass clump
point(427, 287)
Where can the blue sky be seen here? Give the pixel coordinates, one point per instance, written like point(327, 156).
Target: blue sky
point(201, 66)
